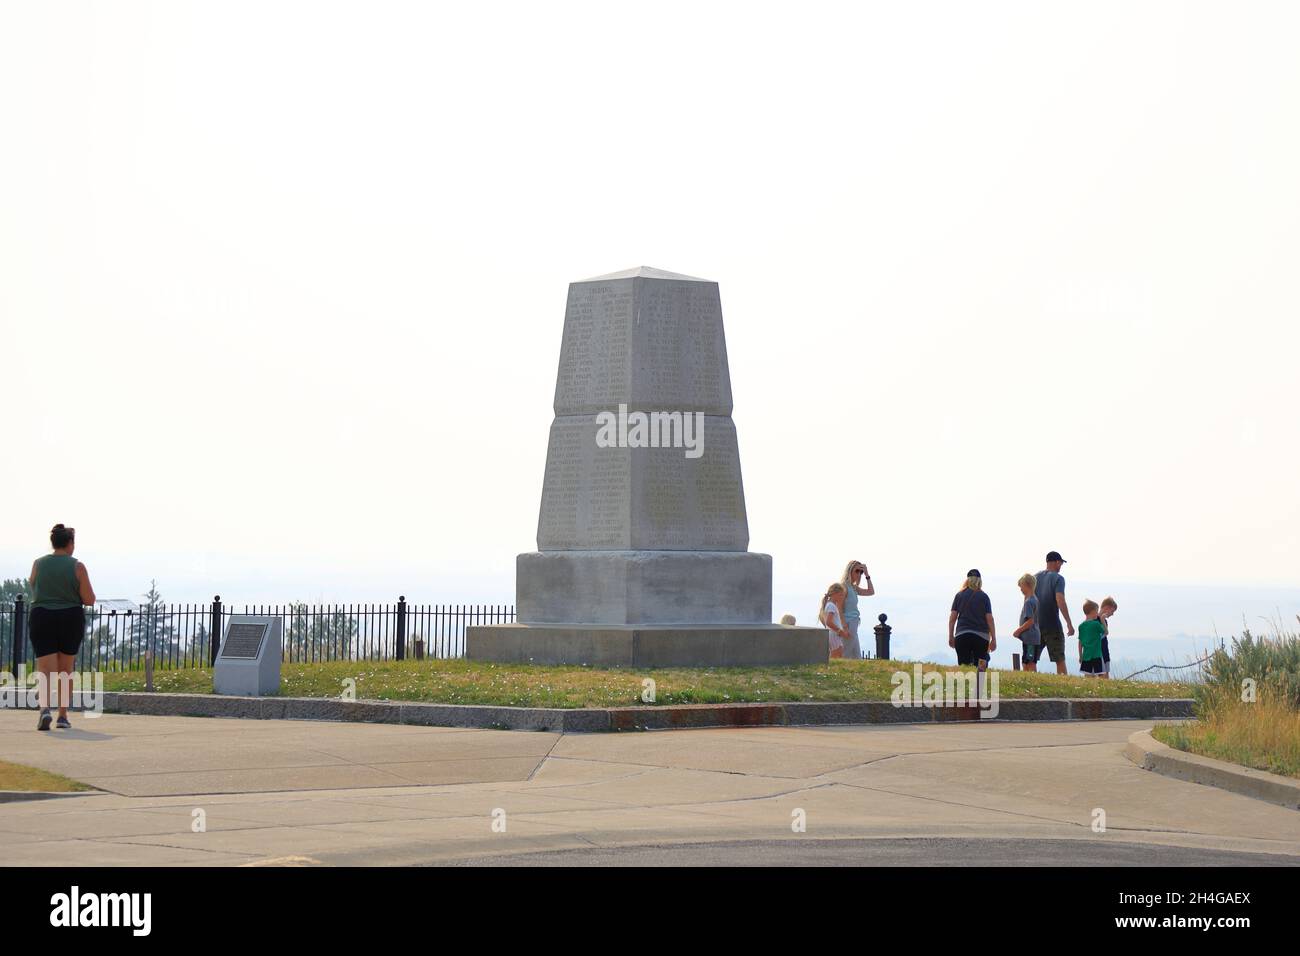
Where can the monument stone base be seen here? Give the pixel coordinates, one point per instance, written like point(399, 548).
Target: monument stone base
point(600, 645)
point(689, 588)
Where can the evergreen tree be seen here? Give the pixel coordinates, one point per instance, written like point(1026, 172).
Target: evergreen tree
point(10, 588)
point(99, 649)
point(319, 634)
point(297, 640)
point(153, 628)
point(197, 648)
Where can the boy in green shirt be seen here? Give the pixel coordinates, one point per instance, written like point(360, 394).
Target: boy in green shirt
point(1090, 635)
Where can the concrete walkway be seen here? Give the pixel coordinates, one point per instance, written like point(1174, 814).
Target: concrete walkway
point(294, 792)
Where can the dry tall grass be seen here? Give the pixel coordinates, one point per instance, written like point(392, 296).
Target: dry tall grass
point(1248, 709)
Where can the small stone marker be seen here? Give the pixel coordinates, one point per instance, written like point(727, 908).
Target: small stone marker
point(249, 662)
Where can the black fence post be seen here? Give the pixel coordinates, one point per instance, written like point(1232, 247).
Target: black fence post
point(215, 642)
point(401, 627)
point(18, 649)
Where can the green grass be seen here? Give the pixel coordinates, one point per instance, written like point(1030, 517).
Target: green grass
point(15, 776)
point(1259, 729)
point(533, 685)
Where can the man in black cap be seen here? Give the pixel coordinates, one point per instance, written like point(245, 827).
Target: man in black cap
point(1049, 588)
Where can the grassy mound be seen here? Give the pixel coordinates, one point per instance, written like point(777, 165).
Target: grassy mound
point(534, 685)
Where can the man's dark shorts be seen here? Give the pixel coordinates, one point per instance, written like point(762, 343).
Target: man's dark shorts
point(1054, 641)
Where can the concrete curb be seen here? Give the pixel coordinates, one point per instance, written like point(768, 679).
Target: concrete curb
point(16, 796)
point(594, 720)
point(1150, 754)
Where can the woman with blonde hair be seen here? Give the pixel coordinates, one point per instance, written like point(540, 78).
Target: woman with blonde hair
point(970, 624)
point(831, 615)
point(853, 572)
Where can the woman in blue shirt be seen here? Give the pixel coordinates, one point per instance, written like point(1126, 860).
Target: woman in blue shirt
point(970, 624)
point(852, 581)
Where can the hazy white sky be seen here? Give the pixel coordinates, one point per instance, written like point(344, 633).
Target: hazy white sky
point(282, 284)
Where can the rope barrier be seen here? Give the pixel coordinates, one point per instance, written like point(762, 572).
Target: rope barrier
point(1167, 667)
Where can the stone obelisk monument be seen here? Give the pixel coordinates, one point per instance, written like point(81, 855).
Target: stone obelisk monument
point(642, 542)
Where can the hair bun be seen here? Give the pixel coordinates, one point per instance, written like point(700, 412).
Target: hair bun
point(57, 527)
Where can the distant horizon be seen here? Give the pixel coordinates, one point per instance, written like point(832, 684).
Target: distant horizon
point(905, 586)
point(189, 571)
point(1161, 615)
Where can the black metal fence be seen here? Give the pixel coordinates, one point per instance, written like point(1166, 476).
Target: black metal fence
point(181, 635)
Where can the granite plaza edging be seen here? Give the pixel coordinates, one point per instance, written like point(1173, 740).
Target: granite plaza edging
point(1150, 754)
point(666, 717)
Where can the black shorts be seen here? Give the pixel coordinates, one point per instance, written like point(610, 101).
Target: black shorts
point(1032, 653)
point(1095, 666)
point(57, 631)
point(971, 648)
point(1105, 649)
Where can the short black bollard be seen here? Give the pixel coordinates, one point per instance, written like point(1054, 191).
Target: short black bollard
point(883, 631)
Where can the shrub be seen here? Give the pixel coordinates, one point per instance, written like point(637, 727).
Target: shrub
point(1273, 663)
point(1263, 733)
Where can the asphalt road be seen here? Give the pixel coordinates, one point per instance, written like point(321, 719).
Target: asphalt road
point(271, 792)
point(946, 852)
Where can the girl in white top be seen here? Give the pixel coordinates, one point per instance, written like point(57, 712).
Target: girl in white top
point(831, 617)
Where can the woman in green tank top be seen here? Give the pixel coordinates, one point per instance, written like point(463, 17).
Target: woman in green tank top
point(60, 590)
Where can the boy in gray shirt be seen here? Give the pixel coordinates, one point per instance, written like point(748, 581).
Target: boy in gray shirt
point(1028, 630)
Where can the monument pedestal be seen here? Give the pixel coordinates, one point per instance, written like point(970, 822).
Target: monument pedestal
point(644, 587)
point(739, 645)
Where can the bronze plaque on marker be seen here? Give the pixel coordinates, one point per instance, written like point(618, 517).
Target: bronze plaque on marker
point(244, 640)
